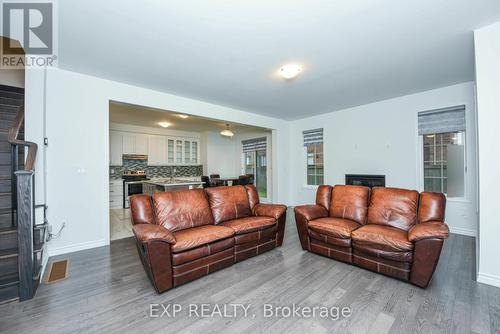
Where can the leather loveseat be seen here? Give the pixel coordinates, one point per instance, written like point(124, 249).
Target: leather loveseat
point(184, 235)
point(396, 232)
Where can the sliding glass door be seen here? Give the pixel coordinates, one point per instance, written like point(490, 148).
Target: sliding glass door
point(255, 163)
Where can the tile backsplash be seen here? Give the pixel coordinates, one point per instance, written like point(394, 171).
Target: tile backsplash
point(115, 172)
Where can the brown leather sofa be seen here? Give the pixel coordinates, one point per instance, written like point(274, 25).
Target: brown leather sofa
point(396, 232)
point(184, 235)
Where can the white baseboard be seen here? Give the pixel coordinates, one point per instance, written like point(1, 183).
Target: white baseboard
point(463, 231)
point(489, 279)
point(77, 247)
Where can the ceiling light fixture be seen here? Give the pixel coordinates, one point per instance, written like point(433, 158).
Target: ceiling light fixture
point(182, 116)
point(226, 132)
point(290, 71)
point(164, 124)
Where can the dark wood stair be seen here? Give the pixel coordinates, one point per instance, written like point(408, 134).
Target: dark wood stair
point(11, 99)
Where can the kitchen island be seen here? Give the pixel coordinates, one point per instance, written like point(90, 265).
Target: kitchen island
point(157, 185)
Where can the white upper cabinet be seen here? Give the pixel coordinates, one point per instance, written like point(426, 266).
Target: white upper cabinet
point(161, 150)
point(157, 153)
point(141, 144)
point(115, 148)
point(128, 143)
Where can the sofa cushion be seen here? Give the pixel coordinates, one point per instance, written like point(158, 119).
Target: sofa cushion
point(178, 210)
point(341, 242)
point(384, 238)
point(324, 196)
point(228, 203)
point(350, 202)
point(202, 251)
point(250, 224)
point(431, 207)
point(334, 227)
point(393, 207)
point(253, 196)
point(197, 236)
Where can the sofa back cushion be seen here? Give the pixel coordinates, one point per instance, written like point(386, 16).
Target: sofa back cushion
point(323, 196)
point(228, 203)
point(253, 196)
point(431, 207)
point(141, 208)
point(350, 202)
point(179, 210)
point(393, 207)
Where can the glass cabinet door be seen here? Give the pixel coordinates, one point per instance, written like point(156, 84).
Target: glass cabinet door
point(187, 151)
point(170, 151)
point(194, 152)
point(178, 151)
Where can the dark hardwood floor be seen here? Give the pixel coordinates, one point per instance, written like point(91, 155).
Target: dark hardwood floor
point(108, 292)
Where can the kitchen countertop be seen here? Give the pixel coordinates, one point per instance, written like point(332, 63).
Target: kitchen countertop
point(165, 182)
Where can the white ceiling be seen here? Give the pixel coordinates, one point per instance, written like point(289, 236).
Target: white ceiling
point(142, 116)
point(227, 52)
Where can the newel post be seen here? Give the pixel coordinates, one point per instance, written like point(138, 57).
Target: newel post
point(25, 222)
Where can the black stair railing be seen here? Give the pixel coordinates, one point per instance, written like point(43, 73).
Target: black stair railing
point(30, 236)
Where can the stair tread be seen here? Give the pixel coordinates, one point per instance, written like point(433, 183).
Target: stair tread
point(9, 252)
point(8, 230)
point(9, 279)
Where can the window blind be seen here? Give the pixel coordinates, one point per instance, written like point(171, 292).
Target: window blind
point(441, 120)
point(313, 136)
point(254, 144)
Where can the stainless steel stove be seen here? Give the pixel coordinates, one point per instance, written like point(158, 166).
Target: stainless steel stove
point(132, 184)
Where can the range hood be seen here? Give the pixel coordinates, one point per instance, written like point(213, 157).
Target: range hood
point(135, 157)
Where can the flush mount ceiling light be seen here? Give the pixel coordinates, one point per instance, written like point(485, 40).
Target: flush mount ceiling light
point(164, 124)
point(182, 116)
point(290, 71)
point(226, 132)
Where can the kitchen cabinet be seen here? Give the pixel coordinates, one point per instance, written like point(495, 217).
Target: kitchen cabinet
point(128, 143)
point(157, 151)
point(115, 148)
point(141, 144)
point(116, 193)
point(161, 150)
point(170, 151)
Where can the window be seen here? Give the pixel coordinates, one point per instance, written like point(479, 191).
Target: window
point(313, 142)
point(443, 140)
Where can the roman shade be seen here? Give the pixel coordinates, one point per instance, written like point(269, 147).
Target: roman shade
point(255, 144)
point(313, 136)
point(441, 120)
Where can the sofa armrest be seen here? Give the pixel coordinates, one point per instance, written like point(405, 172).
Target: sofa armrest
point(311, 212)
point(428, 230)
point(269, 210)
point(149, 232)
point(153, 243)
point(304, 214)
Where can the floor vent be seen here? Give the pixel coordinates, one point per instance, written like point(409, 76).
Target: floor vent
point(58, 271)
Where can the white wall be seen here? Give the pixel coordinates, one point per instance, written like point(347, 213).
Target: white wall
point(487, 47)
point(77, 156)
point(220, 154)
point(381, 138)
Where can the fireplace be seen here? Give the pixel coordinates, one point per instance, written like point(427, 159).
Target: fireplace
point(365, 180)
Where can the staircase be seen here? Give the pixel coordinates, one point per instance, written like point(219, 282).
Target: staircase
point(11, 99)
